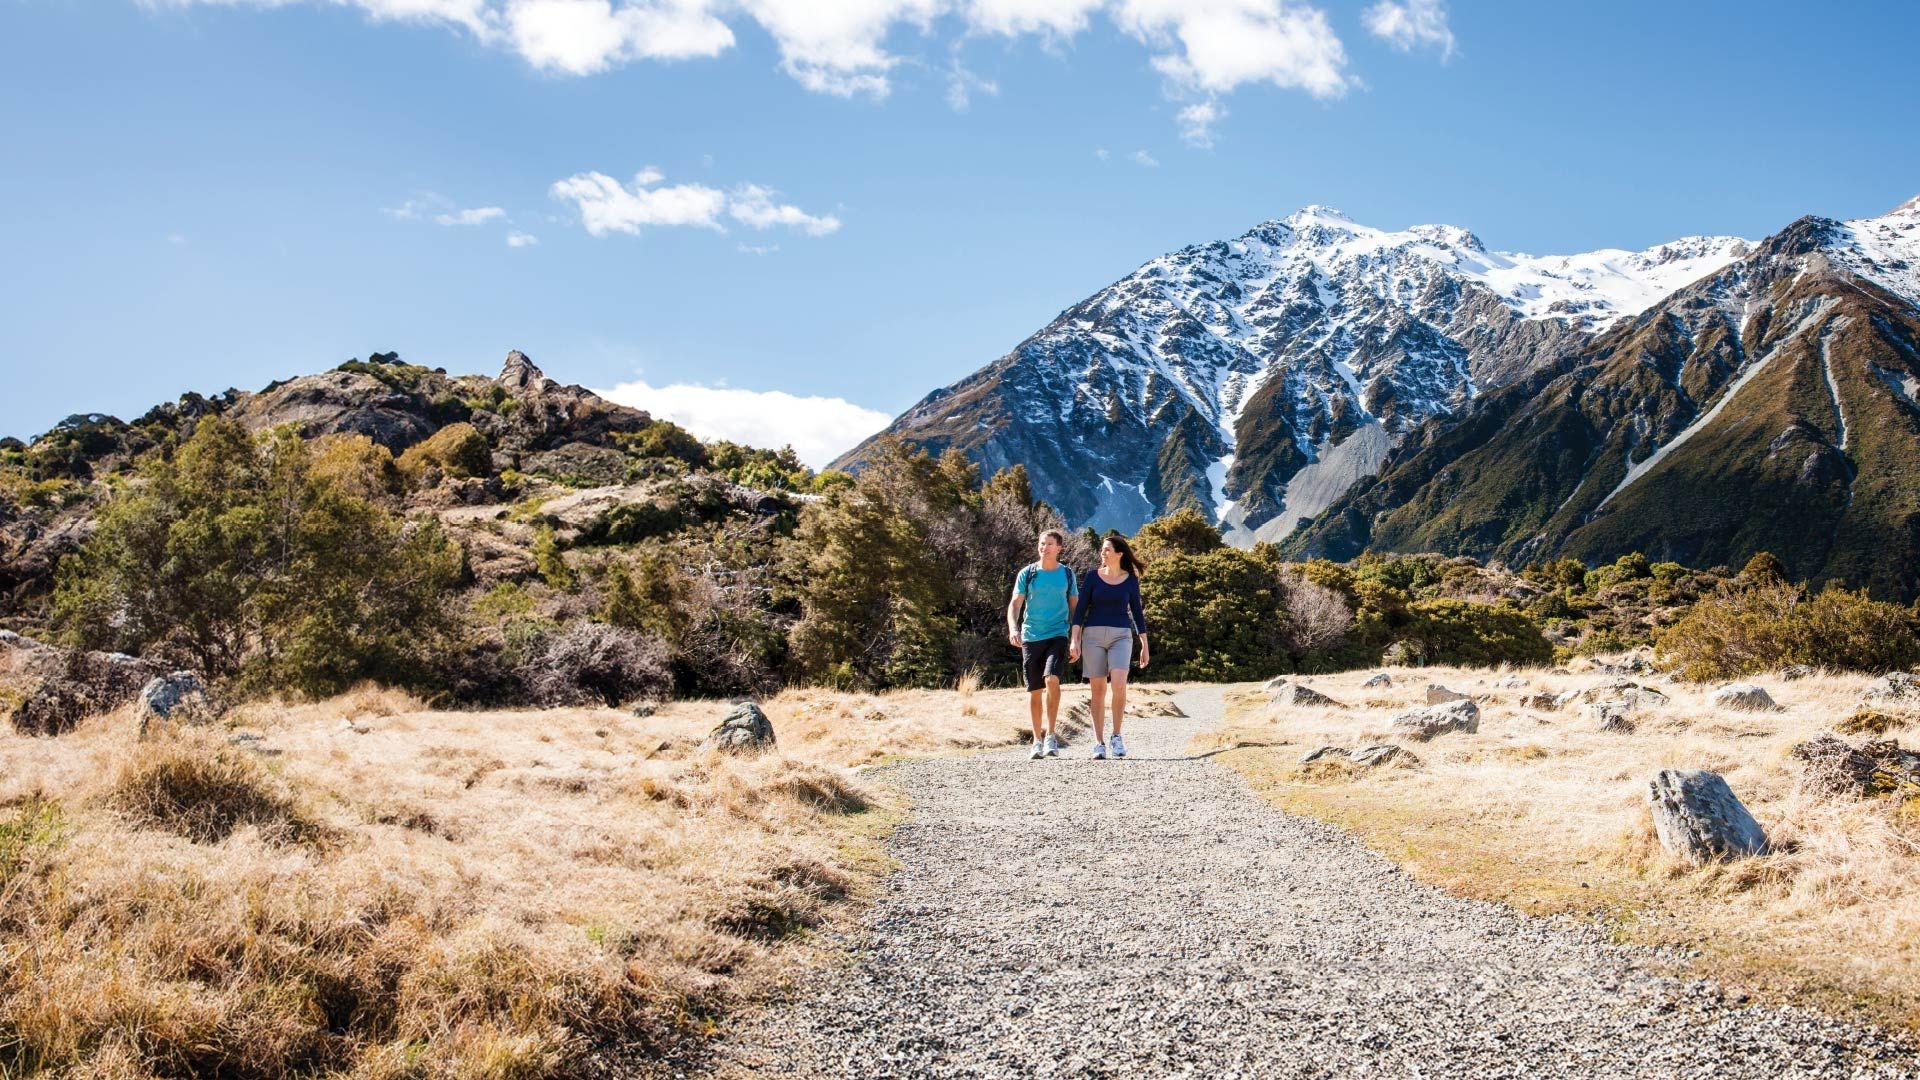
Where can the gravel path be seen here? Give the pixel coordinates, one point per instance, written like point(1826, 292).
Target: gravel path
point(1153, 917)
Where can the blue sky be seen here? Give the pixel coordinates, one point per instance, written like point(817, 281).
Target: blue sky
point(853, 201)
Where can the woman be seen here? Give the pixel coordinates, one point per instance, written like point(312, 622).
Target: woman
point(1105, 625)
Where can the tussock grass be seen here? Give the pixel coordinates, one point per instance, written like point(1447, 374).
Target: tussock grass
point(365, 888)
point(1542, 810)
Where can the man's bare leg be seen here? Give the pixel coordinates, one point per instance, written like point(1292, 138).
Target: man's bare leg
point(1053, 705)
point(1033, 708)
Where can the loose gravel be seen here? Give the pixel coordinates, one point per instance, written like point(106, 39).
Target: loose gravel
point(1152, 917)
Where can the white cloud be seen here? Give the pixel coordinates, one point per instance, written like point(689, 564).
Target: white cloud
point(1144, 159)
point(608, 206)
point(818, 428)
point(1204, 47)
point(1213, 46)
point(757, 249)
point(479, 215)
point(177, 239)
point(518, 239)
point(580, 37)
point(1101, 153)
point(963, 84)
point(1414, 23)
point(753, 205)
point(1197, 121)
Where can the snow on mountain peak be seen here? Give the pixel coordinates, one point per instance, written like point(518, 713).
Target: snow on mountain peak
point(1884, 249)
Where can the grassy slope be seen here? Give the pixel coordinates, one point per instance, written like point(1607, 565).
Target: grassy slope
point(1541, 811)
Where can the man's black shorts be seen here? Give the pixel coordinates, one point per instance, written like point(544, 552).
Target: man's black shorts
point(1047, 656)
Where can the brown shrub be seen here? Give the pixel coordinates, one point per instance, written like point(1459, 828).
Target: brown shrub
point(202, 791)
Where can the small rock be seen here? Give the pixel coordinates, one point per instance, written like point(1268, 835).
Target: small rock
point(645, 709)
point(1698, 818)
point(1543, 701)
point(180, 694)
point(1636, 696)
point(1274, 683)
point(1613, 716)
point(1437, 694)
point(1384, 754)
point(1743, 697)
point(745, 728)
point(1795, 671)
point(1324, 753)
point(1462, 715)
point(1382, 679)
point(1511, 682)
point(1294, 694)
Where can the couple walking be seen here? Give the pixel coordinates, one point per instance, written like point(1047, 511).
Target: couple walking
point(1055, 618)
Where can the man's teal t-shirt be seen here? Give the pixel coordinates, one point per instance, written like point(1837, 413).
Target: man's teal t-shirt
point(1047, 592)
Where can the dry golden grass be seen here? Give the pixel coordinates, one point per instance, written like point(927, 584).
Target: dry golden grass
point(366, 888)
point(1541, 810)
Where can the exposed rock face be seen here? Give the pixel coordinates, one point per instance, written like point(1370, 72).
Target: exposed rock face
point(337, 402)
point(1303, 696)
point(1437, 694)
point(1366, 757)
point(1743, 697)
point(78, 685)
point(1631, 694)
point(600, 465)
point(1613, 716)
point(1462, 715)
point(744, 729)
point(1698, 818)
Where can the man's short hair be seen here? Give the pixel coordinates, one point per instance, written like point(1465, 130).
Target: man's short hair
point(1059, 537)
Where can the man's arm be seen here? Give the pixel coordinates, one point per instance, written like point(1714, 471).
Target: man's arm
point(1014, 607)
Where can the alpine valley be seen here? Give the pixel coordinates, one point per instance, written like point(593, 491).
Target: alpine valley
point(1337, 388)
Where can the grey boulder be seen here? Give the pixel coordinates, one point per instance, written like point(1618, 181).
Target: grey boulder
point(1294, 694)
point(1743, 697)
point(1900, 686)
point(1698, 818)
point(1382, 679)
point(744, 729)
point(1462, 715)
point(1437, 694)
point(180, 695)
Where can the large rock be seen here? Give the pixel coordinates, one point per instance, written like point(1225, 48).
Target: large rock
point(1302, 696)
point(1898, 688)
point(339, 402)
point(1511, 682)
point(578, 462)
point(1436, 694)
point(1698, 818)
point(1377, 681)
point(744, 729)
point(1462, 715)
point(1613, 716)
point(1743, 697)
point(1366, 757)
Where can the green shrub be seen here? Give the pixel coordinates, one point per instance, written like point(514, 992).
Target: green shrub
point(1469, 634)
point(1759, 623)
point(1216, 616)
point(455, 450)
point(1183, 532)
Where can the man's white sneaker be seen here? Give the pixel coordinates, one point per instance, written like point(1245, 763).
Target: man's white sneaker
point(1099, 750)
point(1119, 748)
point(1053, 746)
point(1039, 749)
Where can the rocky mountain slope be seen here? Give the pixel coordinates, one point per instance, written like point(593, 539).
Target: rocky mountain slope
point(1772, 405)
point(1257, 378)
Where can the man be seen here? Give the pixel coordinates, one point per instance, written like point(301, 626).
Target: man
point(1038, 618)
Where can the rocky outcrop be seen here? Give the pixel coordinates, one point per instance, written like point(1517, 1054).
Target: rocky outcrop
point(1379, 681)
point(1898, 688)
point(1698, 818)
point(340, 402)
point(1436, 694)
point(1295, 695)
point(176, 696)
point(75, 685)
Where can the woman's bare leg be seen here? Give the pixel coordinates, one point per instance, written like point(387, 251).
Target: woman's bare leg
point(1097, 706)
point(1118, 680)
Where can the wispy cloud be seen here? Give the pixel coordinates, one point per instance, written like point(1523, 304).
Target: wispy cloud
point(963, 84)
point(757, 249)
point(1411, 24)
point(1144, 159)
point(608, 206)
point(818, 428)
point(1202, 47)
point(1196, 123)
point(518, 239)
point(479, 215)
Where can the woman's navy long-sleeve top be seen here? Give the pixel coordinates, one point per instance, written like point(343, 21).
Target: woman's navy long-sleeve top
point(1102, 604)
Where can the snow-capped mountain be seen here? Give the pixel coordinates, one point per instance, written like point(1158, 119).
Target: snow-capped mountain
point(1257, 378)
point(1769, 406)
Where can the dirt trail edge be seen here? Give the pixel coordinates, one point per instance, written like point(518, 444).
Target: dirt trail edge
point(1153, 917)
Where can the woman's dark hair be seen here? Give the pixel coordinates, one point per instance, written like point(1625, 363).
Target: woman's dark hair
point(1129, 562)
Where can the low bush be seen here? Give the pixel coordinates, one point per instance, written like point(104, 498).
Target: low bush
point(203, 791)
point(590, 663)
point(1467, 634)
point(1760, 622)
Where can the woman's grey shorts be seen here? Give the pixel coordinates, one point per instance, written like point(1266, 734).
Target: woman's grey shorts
point(1104, 649)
